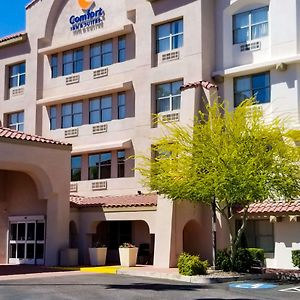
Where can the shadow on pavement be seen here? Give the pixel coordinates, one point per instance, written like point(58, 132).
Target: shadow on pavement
point(157, 287)
point(6, 270)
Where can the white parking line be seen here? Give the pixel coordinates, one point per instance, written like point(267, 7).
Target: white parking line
point(295, 289)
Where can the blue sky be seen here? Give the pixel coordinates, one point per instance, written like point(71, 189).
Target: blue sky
point(12, 17)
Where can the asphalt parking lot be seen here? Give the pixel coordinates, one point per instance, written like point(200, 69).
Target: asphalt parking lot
point(117, 287)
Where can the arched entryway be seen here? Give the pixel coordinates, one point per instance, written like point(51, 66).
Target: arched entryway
point(112, 234)
point(22, 220)
point(192, 238)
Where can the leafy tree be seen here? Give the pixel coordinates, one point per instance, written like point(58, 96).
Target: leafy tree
point(235, 157)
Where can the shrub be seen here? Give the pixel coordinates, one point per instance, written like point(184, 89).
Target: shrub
point(243, 261)
point(258, 256)
point(296, 258)
point(223, 261)
point(190, 265)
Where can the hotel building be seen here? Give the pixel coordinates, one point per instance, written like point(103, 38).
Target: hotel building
point(93, 74)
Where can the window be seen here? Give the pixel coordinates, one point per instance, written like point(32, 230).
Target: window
point(168, 96)
point(16, 121)
point(53, 117)
point(101, 109)
point(257, 85)
point(169, 36)
point(258, 234)
point(76, 168)
point(101, 54)
point(121, 163)
point(72, 61)
point(71, 114)
point(121, 106)
point(17, 75)
point(100, 166)
point(122, 48)
point(250, 25)
point(54, 66)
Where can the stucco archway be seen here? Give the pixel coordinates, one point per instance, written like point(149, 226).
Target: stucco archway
point(192, 238)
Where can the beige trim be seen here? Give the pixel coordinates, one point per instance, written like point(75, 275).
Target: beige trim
point(258, 67)
point(119, 87)
point(127, 144)
point(83, 42)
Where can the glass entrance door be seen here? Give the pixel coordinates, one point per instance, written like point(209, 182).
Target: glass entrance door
point(27, 242)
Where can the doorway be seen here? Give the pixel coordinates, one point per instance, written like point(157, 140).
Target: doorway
point(26, 242)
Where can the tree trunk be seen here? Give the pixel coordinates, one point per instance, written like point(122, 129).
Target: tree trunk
point(235, 238)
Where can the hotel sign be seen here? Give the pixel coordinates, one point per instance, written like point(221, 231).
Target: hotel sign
point(90, 18)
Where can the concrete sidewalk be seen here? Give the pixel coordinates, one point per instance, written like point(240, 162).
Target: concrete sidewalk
point(8, 272)
point(172, 274)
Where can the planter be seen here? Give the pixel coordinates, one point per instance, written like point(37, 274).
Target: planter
point(128, 256)
point(97, 256)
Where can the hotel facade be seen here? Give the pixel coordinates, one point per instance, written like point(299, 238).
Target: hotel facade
point(92, 74)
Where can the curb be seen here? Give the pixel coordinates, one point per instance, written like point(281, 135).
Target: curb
point(190, 279)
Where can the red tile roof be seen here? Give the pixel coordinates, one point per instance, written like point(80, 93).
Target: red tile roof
point(114, 201)
point(18, 135)
point(205, 84)
point(273, 207)
point(12, 36)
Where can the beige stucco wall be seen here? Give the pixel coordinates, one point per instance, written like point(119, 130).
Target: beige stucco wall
point(286, 237)
point(41, 188)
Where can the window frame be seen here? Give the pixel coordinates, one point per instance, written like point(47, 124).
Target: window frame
point(72, 114)
point(101, 54)
point(100, 109)
point(121, 49)
point(18, 75)
point(74, 61)
point(74, 169)
point(250, 25)
point(251, 76)
point(122, 106)
point(121, 163)
point(170, 97)
point(19, 125)
point(100, 166)
point(170, 36)
point(53, 117)
point(54, 66)
point(256, 236)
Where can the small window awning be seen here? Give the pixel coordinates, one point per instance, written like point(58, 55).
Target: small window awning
point(116, 145)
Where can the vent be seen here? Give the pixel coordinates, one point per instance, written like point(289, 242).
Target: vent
point(100, 128)
point(71, 133)
point(72, 79)
point(73, 187)
point(171, 117)
point(17, 92)
point(99, 185)
point(100, 73)
point(250, 46)
point(170, 56)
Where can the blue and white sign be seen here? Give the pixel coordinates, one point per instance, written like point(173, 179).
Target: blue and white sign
point(87, 20)
point(250, 285)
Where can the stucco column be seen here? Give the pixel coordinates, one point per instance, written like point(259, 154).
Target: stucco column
point(57, 227)
point(165, 229)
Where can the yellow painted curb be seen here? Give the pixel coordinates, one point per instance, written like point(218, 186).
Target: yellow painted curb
point(104, 269)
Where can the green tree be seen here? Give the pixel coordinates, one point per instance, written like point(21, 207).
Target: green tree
point(234, 157)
